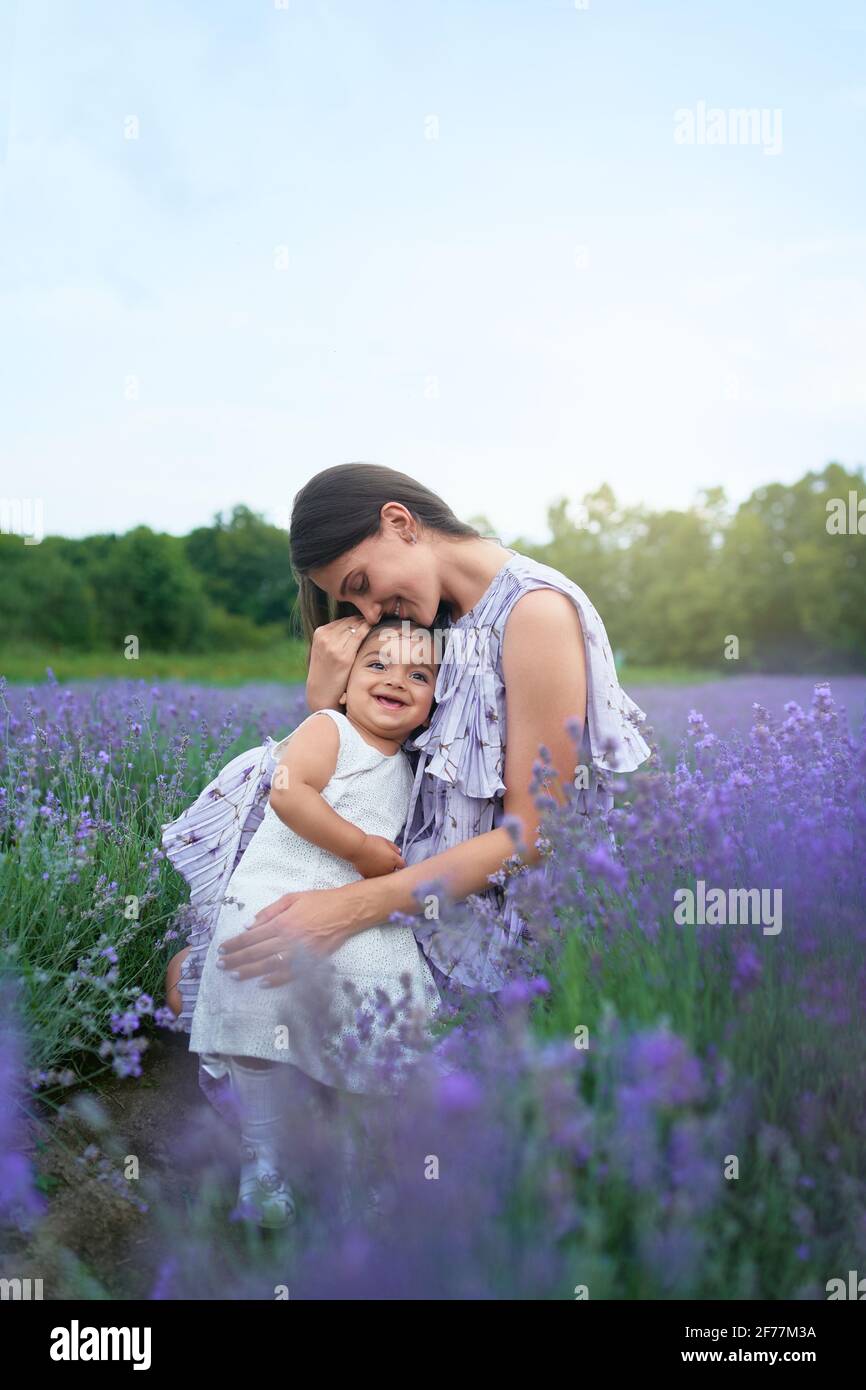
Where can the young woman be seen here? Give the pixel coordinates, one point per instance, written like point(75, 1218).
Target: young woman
point(526, 662)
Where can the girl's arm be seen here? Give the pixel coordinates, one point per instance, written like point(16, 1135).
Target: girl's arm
point(299, 778)
point(544, 670)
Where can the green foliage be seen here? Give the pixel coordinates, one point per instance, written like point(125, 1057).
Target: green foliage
point(244, 563)
point(43, 594)
point(672, 586)
point(803, 588)
point(147, 588)
point(228, 587)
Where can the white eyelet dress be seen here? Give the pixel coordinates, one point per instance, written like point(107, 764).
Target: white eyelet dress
point(313, 1021)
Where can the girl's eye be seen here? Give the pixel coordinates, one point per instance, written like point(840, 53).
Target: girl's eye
point(374, 661)
point(362, 589)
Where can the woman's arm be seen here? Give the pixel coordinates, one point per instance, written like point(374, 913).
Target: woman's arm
point(544, 670)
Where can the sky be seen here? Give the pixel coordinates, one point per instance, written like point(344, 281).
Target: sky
point(516, 250)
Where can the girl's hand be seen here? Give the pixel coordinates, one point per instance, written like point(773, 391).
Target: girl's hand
point(377, 856)
point(319, 919)
point(332, 653)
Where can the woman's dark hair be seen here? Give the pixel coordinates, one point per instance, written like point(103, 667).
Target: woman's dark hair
point(337, 510)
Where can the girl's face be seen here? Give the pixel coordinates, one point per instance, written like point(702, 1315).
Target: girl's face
point(391, 683)
point(386, 574)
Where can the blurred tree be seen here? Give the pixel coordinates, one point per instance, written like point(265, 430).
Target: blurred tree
point(147, 587)
point(244, 562)
point(44, 597)
point(670, 585)
point(801, 590)
point(676, 611)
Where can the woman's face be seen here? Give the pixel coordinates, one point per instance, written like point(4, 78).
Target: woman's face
point(385, 574)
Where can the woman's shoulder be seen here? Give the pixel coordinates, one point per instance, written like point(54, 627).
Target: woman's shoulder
point(531, 574)
point(612, 716)
point(471, 696)
point(520, 575)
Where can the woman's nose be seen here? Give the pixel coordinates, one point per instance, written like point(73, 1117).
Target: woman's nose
point(370, 612)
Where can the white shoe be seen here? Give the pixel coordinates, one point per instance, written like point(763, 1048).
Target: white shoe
point(264, 1196)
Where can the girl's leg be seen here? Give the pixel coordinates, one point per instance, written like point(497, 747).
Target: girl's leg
point(172, 976)
point(263, 1193)
point(357, 1132)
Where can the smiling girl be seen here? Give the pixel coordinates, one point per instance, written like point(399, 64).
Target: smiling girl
point(339, 793)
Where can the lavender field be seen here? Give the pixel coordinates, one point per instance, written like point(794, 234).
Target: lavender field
point(661, 1104)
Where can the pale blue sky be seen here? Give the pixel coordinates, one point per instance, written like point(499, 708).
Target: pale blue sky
point(550, 294)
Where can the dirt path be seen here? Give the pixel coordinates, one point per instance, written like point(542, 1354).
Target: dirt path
point(93, 1241)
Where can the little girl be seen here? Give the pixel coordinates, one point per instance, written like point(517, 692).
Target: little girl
point(339, 795)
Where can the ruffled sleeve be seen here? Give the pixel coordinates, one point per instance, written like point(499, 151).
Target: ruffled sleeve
point(615, 743)
point(611, 716)
point(205, 844)
point(459, 787)
point(464, 742)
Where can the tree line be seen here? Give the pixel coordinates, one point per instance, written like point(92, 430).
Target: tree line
point(776, 583)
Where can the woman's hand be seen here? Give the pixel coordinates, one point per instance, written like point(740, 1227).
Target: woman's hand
point(318, 920)
point(332, 653)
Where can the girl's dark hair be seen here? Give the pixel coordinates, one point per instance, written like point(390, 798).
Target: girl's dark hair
point(337, 510)
point(391, 621)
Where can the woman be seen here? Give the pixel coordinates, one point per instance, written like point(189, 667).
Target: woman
point(523, 641)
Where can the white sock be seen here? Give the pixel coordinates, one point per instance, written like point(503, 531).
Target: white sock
point(258, 1099)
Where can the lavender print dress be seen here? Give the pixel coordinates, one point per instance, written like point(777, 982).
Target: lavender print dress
point(457, 789)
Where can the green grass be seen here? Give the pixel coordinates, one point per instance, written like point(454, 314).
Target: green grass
point(284, 662)
point(669, 675)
